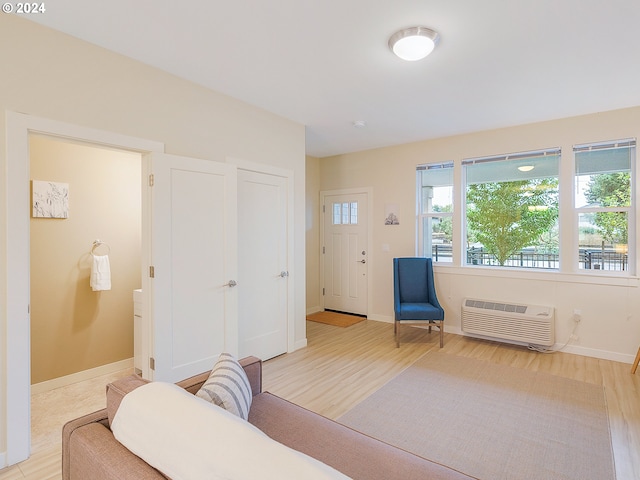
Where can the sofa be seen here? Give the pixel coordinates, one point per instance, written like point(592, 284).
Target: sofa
point(91, 451)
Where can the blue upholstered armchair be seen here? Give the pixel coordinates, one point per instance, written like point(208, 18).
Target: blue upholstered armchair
point(414, 296)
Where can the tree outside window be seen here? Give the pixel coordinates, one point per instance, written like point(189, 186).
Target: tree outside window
point(507, 217)
point(512, 210)
point(610, 190)
point(603, 203)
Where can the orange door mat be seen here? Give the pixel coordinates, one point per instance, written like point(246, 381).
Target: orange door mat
point(335, 318)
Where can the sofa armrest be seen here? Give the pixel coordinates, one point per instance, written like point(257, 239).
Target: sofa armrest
point(70, 427)
point(253, 367)
point(94, 453)
point(118, 389)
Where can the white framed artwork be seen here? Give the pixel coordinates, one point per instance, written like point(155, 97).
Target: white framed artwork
point(391, 218)
point(50, 199)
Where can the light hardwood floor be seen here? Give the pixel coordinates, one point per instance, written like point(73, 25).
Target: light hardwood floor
point(49, 411)
point(342, 366)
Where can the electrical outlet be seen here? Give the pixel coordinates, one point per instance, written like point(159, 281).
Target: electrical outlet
point(577, 315)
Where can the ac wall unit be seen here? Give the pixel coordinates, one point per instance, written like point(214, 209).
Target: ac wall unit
point(532, 324)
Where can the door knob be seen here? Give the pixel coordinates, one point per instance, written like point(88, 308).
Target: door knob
point(361, 261)
point(284, 274)
point(231, 283)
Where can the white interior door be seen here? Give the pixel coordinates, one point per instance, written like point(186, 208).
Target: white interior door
point(263, 275)
point(194, 257)
point(345, 255)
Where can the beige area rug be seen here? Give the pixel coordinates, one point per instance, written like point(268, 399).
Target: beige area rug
point(335, 318)
point(490, 421)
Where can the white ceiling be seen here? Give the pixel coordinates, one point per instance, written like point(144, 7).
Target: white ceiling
point(326, 63)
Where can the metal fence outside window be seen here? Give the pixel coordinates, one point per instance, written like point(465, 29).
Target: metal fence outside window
point(603, 260)
point(522, 259)
point(588, 259)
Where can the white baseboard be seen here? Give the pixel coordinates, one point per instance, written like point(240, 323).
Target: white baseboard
point(312, 310)
point(595, 353)
point(299, 344)
point(3, 460)
point(81, 376)
point(573, 349)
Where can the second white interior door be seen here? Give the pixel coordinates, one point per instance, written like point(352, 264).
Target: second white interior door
point(263, 272)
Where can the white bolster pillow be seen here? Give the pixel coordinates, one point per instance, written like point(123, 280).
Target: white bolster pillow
point(188, 438)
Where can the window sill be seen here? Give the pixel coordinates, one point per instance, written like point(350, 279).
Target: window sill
point(591, 278)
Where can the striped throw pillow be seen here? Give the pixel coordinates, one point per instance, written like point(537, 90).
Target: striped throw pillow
point(228, 386)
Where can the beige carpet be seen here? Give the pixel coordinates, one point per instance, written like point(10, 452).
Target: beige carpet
point(335, 318)
point(491, 421)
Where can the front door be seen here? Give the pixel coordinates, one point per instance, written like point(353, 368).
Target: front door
point(263, 271)
point(345, 256)
point(194, 258)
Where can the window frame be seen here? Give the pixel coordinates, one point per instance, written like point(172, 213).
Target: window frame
point(422, 216)
point(630, 210)
point(568, 233)
point(347, 213)
point(516, 160)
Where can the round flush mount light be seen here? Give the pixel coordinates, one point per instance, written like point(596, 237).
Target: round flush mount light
point(526, 168)
point(359, 123)
point(413, 43)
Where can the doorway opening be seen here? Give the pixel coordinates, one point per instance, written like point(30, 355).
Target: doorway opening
point(79, 331)
point(18, 329)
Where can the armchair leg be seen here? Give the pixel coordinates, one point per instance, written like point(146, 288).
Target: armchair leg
point(396, 330)
point(441, 334)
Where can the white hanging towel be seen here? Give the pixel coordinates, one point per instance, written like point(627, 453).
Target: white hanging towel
point(100, 273)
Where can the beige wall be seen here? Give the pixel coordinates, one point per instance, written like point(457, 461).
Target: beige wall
point(52, 75)
point(610, 306)
point(312, 228)
point(72, 327)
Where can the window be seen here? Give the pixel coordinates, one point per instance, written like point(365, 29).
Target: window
point(510, 210)
point(605, 217)
point(435, 211)
point(345, 213)
point(511, 213)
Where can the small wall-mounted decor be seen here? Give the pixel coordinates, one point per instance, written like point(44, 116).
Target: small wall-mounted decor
point(50, 199)
point(391, 218)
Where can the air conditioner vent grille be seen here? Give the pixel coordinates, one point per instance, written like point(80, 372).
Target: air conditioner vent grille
point(502, 307)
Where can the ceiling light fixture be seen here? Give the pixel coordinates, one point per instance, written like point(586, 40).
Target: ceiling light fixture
point(526, 168)
point(359, 123)
point(413, 43)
